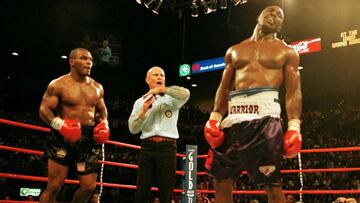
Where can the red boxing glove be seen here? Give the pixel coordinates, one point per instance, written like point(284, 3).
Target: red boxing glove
point(101, 132)
point(292, 143)
point(213, 134)
point(68, 128)
point(209, 160)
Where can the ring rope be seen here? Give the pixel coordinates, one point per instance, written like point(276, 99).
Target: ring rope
point(44, 129)
point(29, 126)
point(103, 162)
point(23, 125)
point(15, 201)
point(2, 147)
point(123, 186)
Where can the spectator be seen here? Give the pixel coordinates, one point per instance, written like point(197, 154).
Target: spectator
point(340, 200)
point(95, 197)
point(88, 44)
point(105, 53)
point(290, 199)
point(351, 200)
point(156, 200)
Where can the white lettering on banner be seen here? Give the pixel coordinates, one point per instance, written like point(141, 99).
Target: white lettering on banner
point(191, 185)
point(205, 67)
point(339, 44)
point(30, 191)
point(304, 46)
point(219, 65)
point(355, 41)
point(190, 174)
point(348, 38)
point(191, 168)
point(212, 66)
point(191, 155)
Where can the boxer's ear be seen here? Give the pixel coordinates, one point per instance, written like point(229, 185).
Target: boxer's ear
point(147, 80)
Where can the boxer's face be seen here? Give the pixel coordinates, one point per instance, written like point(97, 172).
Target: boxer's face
point(155, 77)
point(271, 19)
point(82, 62)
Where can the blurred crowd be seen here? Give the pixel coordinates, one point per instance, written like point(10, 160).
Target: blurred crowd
point(324, 126)
point(106, 49)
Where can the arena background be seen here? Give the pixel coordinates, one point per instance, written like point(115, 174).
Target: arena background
point(42, 31)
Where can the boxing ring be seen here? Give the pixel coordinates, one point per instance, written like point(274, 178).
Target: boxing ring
point(103, 162)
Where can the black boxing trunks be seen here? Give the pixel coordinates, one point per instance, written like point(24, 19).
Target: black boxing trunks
point(83, 155)
point(253, 138)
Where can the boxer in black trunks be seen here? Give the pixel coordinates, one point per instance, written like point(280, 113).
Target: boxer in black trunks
point(251, 136)
point(69, 106)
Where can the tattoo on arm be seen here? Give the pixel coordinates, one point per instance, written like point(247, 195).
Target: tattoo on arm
point(48, 105)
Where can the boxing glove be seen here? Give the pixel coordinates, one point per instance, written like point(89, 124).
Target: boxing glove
point(70, 129)
point(292, 139)
point(209, 160)
point(101, 132)
point(212, 130)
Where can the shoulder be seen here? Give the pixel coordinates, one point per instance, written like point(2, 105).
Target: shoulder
point(285, 46)
point(60, 81)
point(288, 49)
point(56, 86)
point(96, 84)
point(138, 102)
point(291, 52)
point(234, 50)
point(238, 46)
point(292, 55)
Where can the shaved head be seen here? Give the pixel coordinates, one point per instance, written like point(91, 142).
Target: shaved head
point(75, 52)
point(152, 69)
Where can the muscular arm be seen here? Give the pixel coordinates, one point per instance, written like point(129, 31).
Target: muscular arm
point(49, 103)
point(293, 86)
point(101, 107)
point(226, 84)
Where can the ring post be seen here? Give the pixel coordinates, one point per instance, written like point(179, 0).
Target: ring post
point(190, 174)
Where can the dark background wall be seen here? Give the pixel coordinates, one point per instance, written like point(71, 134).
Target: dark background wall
point(42, 31)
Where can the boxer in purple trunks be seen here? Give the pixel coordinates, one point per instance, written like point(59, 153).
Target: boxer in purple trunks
point(247, 149)
point(251, 136)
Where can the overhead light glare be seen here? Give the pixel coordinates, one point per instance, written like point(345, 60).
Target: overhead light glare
point(150, 4)
point(237, 2)
point(158, 6)
point(194, 10)
point(205, 7)
point(223, 4)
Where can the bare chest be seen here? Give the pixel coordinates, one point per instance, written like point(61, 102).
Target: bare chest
point(86, 95)
point(264, 54)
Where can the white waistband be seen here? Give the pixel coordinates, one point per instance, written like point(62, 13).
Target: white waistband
point(258, 94)
point(244, 107)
